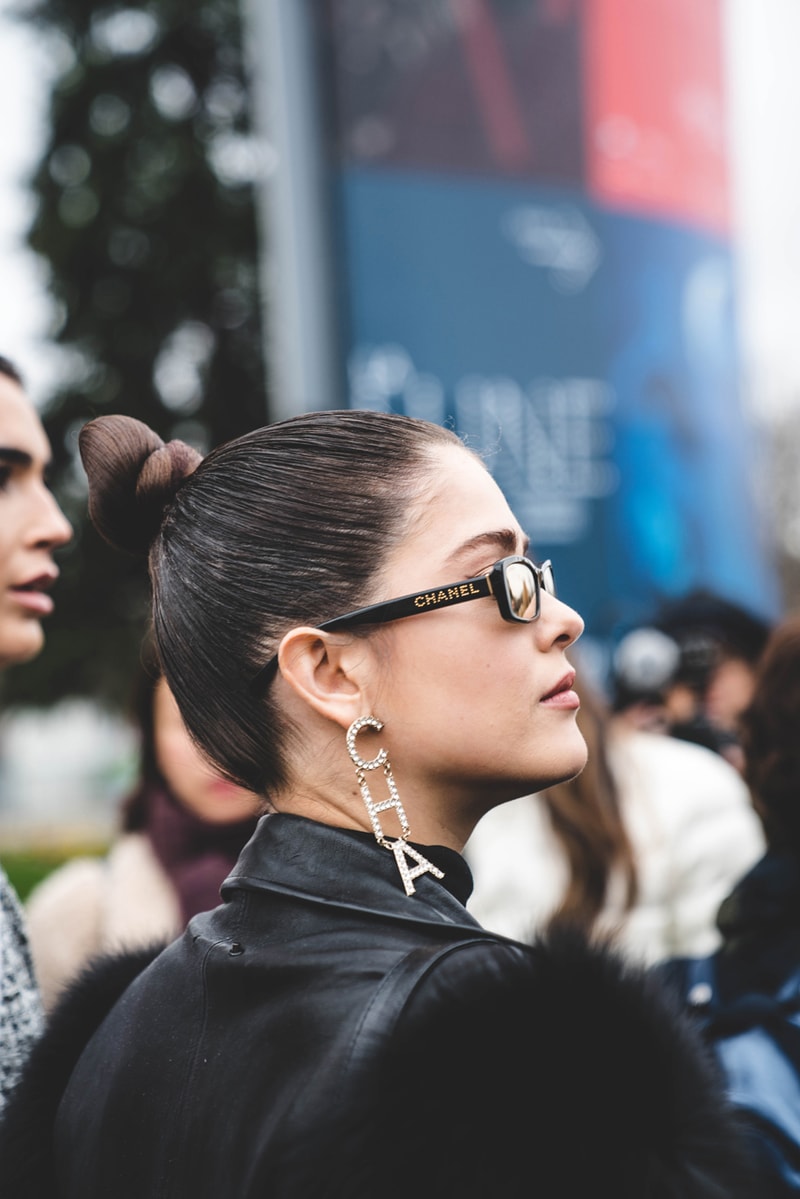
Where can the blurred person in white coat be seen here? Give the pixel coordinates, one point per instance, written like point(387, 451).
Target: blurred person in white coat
point(32, 528)
point(641, 848)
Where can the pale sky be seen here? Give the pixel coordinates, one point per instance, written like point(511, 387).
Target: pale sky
point(763, 37)
point(24, 305)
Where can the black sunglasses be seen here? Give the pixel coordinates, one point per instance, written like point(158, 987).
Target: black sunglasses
point(516, 583)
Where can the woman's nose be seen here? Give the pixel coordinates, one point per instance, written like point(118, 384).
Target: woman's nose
point(51, 529)
point(563, 624)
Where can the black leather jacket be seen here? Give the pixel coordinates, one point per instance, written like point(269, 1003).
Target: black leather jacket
point(323, 1034)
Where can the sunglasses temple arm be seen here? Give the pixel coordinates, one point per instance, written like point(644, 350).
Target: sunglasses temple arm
point(412, 605)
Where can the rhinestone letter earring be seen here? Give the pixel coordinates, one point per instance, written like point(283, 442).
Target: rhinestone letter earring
point(399, 846)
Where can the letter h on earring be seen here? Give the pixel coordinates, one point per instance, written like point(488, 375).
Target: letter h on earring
point(399, 846)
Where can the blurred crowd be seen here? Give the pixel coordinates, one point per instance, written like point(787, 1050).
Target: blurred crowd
point(675, 849)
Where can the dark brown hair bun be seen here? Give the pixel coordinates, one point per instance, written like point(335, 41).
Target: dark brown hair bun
point(133, 475)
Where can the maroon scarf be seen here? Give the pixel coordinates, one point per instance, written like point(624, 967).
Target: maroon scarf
point(197, 856)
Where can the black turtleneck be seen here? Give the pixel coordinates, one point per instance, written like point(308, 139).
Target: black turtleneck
point(457, 874)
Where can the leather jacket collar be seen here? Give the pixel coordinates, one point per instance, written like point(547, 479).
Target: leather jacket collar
point(296, 856)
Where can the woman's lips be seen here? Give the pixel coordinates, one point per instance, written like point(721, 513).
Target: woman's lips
point(562, 695)
point(224, 787)
point(33, 595)
point(568, 700)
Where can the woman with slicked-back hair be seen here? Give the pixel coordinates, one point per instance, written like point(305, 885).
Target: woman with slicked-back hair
point(346, 614)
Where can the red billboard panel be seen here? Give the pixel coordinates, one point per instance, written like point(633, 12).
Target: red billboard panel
point(656, 134)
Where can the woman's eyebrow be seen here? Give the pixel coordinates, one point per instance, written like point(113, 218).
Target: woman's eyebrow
point(506, 541)
point(15, 457)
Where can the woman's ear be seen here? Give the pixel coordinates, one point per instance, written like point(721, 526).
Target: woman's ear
point(325, 672)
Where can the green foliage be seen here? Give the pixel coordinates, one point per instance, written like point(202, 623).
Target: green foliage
point(27, 867)
point(146, 224)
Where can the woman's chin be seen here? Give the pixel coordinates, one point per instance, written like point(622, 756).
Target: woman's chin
point(17, 648)
point(580, 760)
point(566, 767)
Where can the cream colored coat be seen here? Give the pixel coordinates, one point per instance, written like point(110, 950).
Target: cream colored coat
point(93, 905)
point(694, 834)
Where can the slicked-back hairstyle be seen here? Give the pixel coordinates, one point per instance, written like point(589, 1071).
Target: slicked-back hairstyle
point(769, 736)
point(10, 371)
point(286, 525)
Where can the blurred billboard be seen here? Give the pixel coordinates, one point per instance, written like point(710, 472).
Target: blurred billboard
point(530, 231)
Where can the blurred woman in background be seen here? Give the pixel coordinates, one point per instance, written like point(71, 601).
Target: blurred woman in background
point(181, 831)
point(746, 995)
point(32, 529)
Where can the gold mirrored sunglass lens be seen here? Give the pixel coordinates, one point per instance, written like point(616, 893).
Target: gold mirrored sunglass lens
point(521, 590)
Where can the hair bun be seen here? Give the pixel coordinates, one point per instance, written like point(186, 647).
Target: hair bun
point(133, 475)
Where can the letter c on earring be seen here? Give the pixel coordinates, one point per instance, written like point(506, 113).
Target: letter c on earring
point(355, 728)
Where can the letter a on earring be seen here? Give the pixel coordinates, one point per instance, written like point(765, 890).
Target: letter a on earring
point(399, 847)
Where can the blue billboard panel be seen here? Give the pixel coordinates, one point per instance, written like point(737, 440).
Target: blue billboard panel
point(589, 356)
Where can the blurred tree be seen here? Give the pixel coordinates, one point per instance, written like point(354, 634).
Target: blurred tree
point(146, 225)
point(780, 487)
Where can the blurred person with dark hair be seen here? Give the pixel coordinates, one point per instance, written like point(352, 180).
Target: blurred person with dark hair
point(32, 528)
point(181, 831)
point(747, 994)
point(720, 644)
point(640, 848)
point(643, 667)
